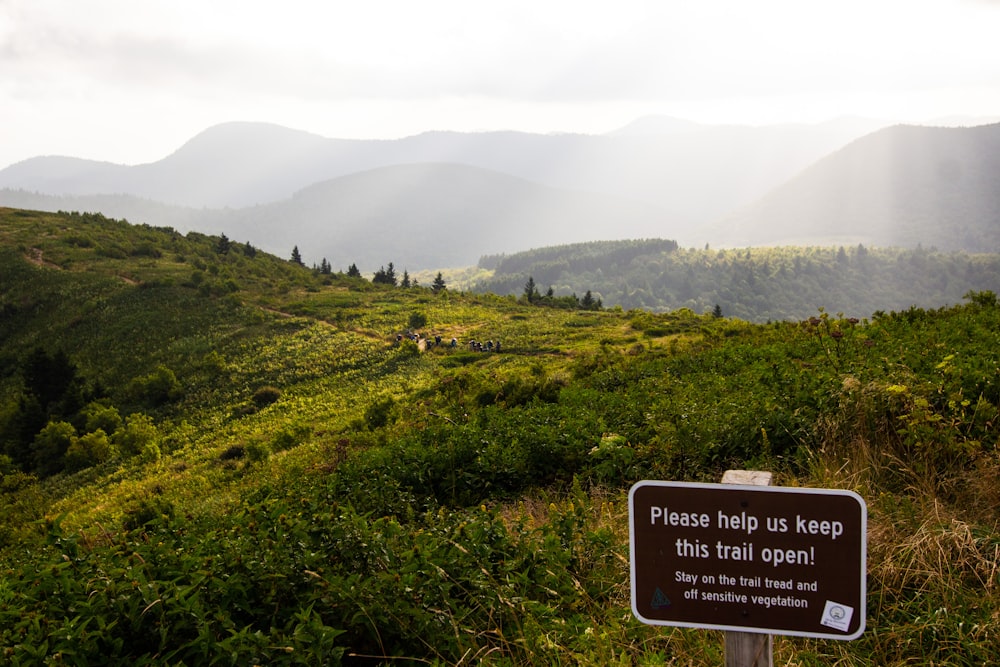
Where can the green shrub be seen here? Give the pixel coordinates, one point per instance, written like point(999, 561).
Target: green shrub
point(138, 437)
point(157, 388)
point(50, 446)
point(257, 452)
point(89, 449)
point(290, 436)
point(146, 249)
point(265, 396)
point(417, 320)
point(233, 452)
point(148, 511)
point(244, 410)
point(101, 416)
point(379, 413)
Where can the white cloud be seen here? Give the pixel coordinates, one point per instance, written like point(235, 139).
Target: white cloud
point(76, 75)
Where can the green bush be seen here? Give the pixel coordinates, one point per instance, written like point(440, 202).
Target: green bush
point(50, 447)
point(265, 396)
point(379, 413)
point(417, 320)
point(257, 452)
point(100, 416)
point(89, 449)
point(157, 388)
point(138, 437)
point(290, 436)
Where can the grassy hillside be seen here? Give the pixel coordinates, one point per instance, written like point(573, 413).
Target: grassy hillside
point(238, 462)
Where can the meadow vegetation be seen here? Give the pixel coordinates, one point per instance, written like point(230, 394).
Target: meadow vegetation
point(216, 456)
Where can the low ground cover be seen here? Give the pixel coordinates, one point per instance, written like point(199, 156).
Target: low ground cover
point(324, 492)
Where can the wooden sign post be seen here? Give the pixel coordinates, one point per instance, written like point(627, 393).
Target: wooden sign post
point(749, 559)
point(748, 649)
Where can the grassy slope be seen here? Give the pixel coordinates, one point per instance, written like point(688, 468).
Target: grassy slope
point(457, 506)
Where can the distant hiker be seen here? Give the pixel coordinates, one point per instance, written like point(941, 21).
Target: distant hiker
point(454, 342)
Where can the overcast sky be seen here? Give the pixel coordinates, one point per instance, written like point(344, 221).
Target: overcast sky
point(130, 80)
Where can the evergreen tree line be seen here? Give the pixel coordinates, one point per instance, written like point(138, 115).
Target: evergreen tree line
point(383, 276)
point(758, 284)
point(572, 302)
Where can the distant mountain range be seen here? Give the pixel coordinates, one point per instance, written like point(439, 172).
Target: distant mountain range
point(425, 215)
point(445, 199)
point(900, 186)
point(433, 215)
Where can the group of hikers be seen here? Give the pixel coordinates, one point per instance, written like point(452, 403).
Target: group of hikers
point(427, 343)
point(488, 346)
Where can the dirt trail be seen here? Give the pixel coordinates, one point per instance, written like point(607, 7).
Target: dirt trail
point(35, 257)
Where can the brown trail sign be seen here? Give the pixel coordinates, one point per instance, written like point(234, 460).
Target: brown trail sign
point(773, 560)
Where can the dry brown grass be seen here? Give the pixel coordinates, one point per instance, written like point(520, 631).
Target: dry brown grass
point(933, 548)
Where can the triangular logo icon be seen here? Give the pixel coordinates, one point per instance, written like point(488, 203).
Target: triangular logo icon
point(660, 601)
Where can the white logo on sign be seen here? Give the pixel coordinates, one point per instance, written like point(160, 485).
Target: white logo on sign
point(837, 616)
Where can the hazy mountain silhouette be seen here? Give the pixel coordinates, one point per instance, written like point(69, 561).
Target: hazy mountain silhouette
point(899, 186)
point(433, 215)
point(445, 199)
point(416, 216)
point(65, 176)
point(234, 164)
point(694, 173)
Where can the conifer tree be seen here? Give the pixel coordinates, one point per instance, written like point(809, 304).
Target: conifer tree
point(385, 276)
point(438, 284)
point(531, 291)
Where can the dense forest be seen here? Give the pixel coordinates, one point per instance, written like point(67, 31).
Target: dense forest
point(212, 455)
point(753, 284)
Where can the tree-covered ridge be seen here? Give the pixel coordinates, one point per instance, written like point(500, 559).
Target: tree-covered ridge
point(754, 284)
point(576, 257)
point(322, 492)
